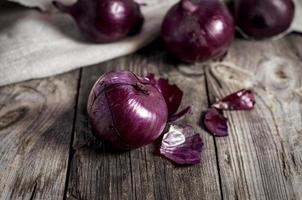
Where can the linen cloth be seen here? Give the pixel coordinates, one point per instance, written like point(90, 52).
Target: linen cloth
point(35, 44)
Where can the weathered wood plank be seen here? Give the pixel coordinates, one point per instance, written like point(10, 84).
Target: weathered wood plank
point(99, 173)
point(261, 158)
point(36, 120)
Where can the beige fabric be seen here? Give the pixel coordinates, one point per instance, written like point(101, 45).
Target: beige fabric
point(297, 24)
point(45, 5)
point(35, 44)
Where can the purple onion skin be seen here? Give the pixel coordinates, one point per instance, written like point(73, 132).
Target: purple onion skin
point(198, 30)
point(182, 145)
point(261, 19)
point(105, 21)
point(216, 123)
point(243, 99)
point(172, 95)
point(126, 110)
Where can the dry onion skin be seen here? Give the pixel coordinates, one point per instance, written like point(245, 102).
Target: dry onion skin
point(241, 100)
point(216, 123)
point(213, 119)
point(182, 145)
point(172, 95)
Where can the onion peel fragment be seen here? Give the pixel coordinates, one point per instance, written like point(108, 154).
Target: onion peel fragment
point(215, 123)
point(172, 95)
point(182, 145)
point(241, 100)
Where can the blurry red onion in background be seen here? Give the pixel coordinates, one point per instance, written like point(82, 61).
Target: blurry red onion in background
point(263, 18)
point(198, 30)
point(105, 20)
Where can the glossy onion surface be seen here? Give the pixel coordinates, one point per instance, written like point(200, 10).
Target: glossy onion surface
point(263, 18)
point(105, 20)
point(126, 110)
point(198, 30)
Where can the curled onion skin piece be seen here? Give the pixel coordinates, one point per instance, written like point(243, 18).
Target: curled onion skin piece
point(180, 114)
point(215, 123)
point(172, 95)
point(241, 100)
point(260, 19)
point(105, 21)
point(182, 145)
point(198, 30)
point(125, 111)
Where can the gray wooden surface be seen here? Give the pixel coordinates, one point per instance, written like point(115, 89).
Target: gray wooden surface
point(47, 150)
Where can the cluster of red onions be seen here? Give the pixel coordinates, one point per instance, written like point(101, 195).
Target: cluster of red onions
point(192, 30)
point(199, 30)
point(129, 111)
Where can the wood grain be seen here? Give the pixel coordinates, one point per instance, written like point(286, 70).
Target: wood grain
point(36, 120)
point(99, 173)
point(261, 158)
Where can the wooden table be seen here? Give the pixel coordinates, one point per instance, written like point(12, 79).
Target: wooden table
point(47, 150)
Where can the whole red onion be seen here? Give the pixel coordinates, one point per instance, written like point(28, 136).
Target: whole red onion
point(126, 110)
point(263, 18)
point(105, 20)
point(197, 30)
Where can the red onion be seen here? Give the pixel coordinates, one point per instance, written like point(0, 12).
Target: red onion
point(105, 20)
point(240, 100)
point(215, 123)
point(198, 30)
point(182, 145)
point(126, 110)
point(263, 18)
